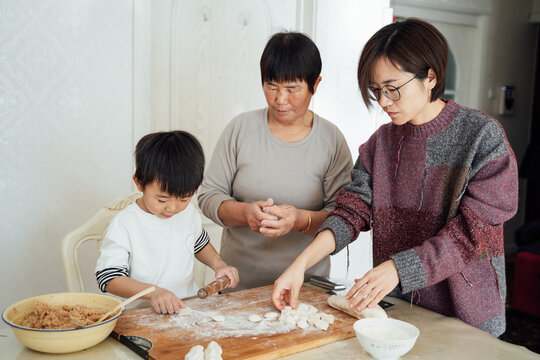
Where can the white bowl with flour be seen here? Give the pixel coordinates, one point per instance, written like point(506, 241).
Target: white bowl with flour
point(385, 339)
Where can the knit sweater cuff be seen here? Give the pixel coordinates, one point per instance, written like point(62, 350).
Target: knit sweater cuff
point(342, 234)
point(411, 271)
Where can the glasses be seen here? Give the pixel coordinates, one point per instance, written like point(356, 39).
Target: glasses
point(389, 91)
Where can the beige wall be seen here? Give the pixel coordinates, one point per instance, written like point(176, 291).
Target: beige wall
point(511, 57)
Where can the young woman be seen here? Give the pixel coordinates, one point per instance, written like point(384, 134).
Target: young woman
point(435, 186)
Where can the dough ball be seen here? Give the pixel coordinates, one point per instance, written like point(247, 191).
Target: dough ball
point(213, 351)
point(271, 315)
point(218, 318)
point(302, 324)
point(328, 318)
point(195, 353)
point(254, 318)
point(313, 318)
point(185, 311)
point(321, 324)
point(306, 309)
point(342, 304)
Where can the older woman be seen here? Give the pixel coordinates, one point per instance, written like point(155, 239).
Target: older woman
point(275, 172)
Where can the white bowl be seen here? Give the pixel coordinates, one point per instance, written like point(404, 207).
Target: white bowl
point(385, 339)
point(63, 340)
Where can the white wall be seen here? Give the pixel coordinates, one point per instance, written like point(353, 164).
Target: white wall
point(65, 129)
point(340, 32)
point(76, 80)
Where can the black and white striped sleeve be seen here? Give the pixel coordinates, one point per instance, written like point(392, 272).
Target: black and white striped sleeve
point(104, 276)
point(202, 241)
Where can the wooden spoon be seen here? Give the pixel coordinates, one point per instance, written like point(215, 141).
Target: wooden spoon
point(125, 302)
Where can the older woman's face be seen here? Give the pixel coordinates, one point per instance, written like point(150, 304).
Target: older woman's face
point(288, 101)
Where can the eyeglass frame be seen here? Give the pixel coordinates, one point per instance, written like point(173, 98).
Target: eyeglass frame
point(372, 95)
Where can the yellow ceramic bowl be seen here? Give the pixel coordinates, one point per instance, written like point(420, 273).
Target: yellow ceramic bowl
point(66, 340)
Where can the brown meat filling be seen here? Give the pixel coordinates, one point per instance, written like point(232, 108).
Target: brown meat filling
point(56, 317)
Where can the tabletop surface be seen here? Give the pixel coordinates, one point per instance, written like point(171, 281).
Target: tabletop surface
point(440, 337)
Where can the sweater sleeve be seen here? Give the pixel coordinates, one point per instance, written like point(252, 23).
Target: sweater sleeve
point(218, 179)
point(353, 208)
point(489, 199)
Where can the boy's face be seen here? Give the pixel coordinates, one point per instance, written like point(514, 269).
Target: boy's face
point(158, 202)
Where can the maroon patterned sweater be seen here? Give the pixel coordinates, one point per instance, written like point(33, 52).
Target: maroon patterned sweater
point(436, 197)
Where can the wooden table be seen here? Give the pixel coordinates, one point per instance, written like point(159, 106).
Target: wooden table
point(440, 338)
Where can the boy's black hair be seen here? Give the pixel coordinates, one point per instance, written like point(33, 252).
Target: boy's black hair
point(175, 159)
point(291, 56)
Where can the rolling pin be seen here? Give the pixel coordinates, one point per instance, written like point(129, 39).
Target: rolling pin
point(213, 287)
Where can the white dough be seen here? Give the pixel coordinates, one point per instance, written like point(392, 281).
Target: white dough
point(313, 318)
point(306, 309)
point(321, 324)
point(254, 318)
point(341, 303)
point(328, 318)
point(185, 311)
point(213, 351)
point(218, 318)
point(271, 315)
point(304, 316)
point(302, 324)
point(195, 353)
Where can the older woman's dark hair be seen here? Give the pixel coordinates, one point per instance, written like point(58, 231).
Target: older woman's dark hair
point(175, 159)
point(414, 46)
point(291, 56)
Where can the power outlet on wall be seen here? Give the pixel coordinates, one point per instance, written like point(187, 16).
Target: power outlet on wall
point(506, 101)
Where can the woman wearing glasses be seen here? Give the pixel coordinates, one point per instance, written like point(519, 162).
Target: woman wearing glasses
point(435, 186)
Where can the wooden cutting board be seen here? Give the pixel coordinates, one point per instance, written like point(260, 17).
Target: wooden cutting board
point(172, 336)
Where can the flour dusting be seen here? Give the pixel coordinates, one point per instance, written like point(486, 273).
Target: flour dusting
point(200, 321)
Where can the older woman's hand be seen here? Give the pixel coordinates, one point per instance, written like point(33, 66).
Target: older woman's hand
point(255, 215)
point(286, 216)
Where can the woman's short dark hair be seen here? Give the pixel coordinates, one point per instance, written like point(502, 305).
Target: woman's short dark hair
point(291, 56)
point(175, 159)
point(414, 46)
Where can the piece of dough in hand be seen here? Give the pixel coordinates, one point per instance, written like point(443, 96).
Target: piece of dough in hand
point(342, 304)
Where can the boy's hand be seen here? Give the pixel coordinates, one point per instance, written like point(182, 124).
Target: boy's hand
point(228, 271)
point(165, 302)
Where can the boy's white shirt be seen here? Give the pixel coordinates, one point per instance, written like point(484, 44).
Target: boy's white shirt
point(155, 251)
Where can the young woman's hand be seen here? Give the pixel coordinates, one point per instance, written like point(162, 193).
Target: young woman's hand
point(230, 272)
point(255, 215)
point(165, 302)
point(286, 216)
point(287, 287)
point(373, 286)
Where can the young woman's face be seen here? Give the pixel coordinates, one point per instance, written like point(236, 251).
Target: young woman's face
point(412, 106)
point(160, 203)
point(288, 101)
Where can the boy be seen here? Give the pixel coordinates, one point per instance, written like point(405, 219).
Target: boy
point(154, 240)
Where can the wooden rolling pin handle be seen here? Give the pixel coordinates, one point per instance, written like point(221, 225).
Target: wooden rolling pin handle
point(213, 287)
